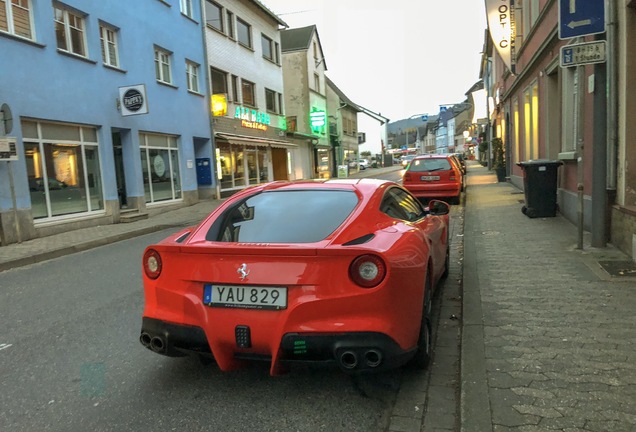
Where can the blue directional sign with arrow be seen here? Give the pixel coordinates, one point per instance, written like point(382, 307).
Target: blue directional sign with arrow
point(581, 18)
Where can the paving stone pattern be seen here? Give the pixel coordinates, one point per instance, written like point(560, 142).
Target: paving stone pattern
point(559, 342)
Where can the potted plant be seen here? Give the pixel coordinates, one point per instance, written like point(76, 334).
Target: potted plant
point(498, 159)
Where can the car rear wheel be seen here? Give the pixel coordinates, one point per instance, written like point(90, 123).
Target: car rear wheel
point(424, 343)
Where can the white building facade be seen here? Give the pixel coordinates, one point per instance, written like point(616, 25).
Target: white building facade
point(246, 80)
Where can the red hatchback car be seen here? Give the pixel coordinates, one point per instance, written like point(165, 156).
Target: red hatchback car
point(335, 272)
point(434, 176)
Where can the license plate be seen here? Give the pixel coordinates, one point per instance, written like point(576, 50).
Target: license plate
point(245, 296)
point(429, 178)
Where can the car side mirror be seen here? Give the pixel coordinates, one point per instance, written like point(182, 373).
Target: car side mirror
point(438, 208)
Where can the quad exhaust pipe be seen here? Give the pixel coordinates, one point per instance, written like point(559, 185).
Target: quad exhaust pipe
point(145, 339)
point(349, 359)
point(371, 358)
point(155, 343)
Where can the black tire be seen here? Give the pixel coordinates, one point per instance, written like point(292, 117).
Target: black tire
point(455, 200)
point(531, 213)
point(424, 342)
point(524, 209)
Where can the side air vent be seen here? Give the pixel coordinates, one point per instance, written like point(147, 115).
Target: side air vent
point(359, 240)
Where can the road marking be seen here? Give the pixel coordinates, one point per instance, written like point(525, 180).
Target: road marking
point(3, 346)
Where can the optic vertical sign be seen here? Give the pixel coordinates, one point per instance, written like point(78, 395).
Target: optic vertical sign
point(501, 22)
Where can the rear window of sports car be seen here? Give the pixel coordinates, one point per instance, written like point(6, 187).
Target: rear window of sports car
point(433, 164)
point(296, 216)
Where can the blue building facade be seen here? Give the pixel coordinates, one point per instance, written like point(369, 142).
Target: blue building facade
point(105, 112)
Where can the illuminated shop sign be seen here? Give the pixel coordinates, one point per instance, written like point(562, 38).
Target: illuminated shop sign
point(253, 125)
point(218, 104)
point(252, 116)
point(317, 120)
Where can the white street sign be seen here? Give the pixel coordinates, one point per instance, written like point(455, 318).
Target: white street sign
point(583, 53)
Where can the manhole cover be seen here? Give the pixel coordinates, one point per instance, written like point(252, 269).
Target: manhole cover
point(619, 268)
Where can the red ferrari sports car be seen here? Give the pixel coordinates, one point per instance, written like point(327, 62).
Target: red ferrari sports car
point(333, 272)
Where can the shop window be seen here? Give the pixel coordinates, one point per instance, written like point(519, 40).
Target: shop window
point(63, 169)
point(160, 167)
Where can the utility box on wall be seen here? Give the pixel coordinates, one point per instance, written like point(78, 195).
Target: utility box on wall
point(204, 171)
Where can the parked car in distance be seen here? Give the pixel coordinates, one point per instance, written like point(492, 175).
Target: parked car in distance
point(434, 176)
point(405, 160)
point(306, 271)
point(461, 161)
point(363, 164)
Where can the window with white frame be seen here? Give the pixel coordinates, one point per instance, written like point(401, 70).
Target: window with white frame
point(186, 8)
point(70, 31)
point(162, 66)
point(160, 167)
point(244, 33)
point(16, 18)
point(214, 15)
point(63, 168)
point(248, 92)
point(108, 39)
point(192, 76)
point(316, 83)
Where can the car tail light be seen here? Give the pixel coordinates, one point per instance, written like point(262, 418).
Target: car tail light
point(367, 270)
point(152, 263)
point(406, 176)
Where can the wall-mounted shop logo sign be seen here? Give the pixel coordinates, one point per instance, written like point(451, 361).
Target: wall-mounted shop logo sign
point(252, 119)
point(218, 104)
point(317, 120)
point(501, 22)
point(133, 100)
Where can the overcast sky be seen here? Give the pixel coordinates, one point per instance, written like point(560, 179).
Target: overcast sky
point(396, 57)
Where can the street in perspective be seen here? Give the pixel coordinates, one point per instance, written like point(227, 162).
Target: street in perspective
point(516, 347)
point(356, 216)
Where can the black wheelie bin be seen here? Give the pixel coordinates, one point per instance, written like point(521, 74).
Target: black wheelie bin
point(540, 187)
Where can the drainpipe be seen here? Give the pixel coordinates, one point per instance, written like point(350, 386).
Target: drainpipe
point(599, 158)
point(208, 86)
point(600, 238)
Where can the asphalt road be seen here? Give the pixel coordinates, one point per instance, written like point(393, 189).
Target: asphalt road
point(70, 360)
